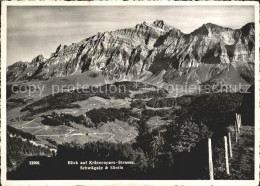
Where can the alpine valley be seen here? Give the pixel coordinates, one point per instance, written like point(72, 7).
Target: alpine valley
point(141, 120)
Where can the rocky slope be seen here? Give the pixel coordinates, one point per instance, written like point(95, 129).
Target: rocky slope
point(152, 51)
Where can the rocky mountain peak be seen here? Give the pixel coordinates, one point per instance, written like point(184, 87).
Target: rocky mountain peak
point(161, 24)
point(209, 29)
point(248, 29)
point(38, 60)
point(141, 25)
point(212, 25)
point(18, 64)
point(61, 47)
point(58, 50)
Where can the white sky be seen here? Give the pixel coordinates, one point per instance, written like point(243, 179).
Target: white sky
point(39, 30)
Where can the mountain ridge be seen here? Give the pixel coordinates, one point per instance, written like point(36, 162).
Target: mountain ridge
point(147, 48)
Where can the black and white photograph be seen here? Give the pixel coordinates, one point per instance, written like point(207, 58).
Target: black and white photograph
point(121, 91)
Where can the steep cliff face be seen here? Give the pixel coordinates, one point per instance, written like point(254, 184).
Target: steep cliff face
point(150, 50)
point(206, 52)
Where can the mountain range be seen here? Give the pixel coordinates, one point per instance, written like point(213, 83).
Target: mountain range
point(155, 52)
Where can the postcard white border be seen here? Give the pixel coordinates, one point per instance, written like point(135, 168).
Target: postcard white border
point(4, 181)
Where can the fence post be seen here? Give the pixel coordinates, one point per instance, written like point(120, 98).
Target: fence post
point(238, 122)
point(226, 154)
point(211, 173)
point(230, 145)
point(240, 119)
point(235, 130)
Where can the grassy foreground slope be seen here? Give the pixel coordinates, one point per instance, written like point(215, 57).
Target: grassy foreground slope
point(242, 164)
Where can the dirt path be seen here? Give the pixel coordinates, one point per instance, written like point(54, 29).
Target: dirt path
point(104, 133)
point(21, 126)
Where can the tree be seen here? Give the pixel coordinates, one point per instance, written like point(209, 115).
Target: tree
point(144, 138)
point(183, 134)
